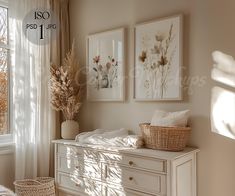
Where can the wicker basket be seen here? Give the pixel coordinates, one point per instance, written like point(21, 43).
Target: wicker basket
point(165, 138)
point(42, 186)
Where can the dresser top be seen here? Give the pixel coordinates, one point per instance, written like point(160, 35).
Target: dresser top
point(124, 150)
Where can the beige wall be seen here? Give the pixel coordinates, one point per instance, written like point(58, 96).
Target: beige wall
point(208, 25)
point(7, 168)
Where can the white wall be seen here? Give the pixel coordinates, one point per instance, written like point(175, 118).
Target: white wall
point(208, 25)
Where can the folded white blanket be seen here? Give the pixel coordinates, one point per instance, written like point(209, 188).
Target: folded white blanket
point(118, 138)
point(5, 191)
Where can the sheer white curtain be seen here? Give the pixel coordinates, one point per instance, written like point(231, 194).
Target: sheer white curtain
point(31, 116)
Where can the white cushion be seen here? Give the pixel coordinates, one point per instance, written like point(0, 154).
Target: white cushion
point(170, 119)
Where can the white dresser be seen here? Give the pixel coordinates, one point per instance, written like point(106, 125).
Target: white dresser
point(90, 170)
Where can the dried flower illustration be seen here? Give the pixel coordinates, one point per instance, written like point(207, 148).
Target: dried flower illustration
point(163, 61)
point(105, 74)
point(108, 65)
point(143, 56)
point(146, 84)
point(160, 37)
point(156, 50)
point(156, 61)
point(96, 59)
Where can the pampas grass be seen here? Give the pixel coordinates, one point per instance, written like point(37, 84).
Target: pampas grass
point(65, 88)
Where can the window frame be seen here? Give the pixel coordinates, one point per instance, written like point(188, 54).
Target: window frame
point(7, 139)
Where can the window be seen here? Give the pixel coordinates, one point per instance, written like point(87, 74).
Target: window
point(4, 57)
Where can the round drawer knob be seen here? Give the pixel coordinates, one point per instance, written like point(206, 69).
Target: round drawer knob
point(130, 178)
point(77, 167)
point(131, 163)
point(78, 185)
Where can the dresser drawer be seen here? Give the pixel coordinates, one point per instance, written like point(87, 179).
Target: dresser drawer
point(147, 163)
point(69, 164)
point(114, 191)
point(84, 186)
point(69, 150)
point(91, 154)
point(144, 181)
point(129, 192)
point(92, 170)
point(71, 182)
point(81, 168)
point(112, 173)
point(109, 157)
point(110, 191)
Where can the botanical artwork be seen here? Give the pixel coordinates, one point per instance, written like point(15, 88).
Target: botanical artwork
point(157, 71)
point(105, 75)
point(105, 66)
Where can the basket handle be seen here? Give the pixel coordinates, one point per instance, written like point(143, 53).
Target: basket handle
point(28, 180)
point(43, 180)
point(37, 182)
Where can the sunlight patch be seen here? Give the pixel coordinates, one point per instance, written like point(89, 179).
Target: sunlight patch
point(223, 112)
point(223, 69)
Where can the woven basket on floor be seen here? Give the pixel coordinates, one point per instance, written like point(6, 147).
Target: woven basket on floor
point(42, 186)
point(165, 138)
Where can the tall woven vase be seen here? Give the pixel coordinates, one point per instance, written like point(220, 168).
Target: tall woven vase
point(69, 129)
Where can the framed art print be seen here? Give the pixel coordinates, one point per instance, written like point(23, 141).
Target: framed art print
point(106, 66)
point(158, 60)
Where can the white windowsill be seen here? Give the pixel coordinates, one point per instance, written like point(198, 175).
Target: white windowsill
point(6, 144)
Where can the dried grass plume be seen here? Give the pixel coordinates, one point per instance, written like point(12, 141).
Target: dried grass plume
point(65, 88)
